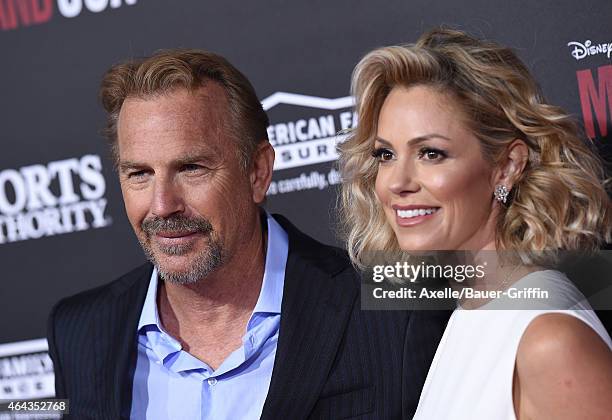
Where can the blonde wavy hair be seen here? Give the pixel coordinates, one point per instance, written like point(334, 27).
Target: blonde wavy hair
point(559, 202)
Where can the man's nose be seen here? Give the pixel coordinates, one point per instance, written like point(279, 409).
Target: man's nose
point(403, 178)
point(167, 198)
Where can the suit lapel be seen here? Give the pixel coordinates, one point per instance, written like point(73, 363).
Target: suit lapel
point(117, 360)
point(314, 315)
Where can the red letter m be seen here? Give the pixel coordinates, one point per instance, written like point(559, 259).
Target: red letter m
point(598, 96)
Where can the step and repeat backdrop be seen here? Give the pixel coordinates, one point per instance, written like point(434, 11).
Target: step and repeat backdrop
point(62, 222)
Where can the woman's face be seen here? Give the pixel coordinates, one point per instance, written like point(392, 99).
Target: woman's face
point(434, 184)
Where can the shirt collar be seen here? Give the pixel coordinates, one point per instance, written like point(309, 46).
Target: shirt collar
point(149, 314)
point(271, 294)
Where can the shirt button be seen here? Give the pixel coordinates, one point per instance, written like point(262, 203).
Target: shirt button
point(212, 381)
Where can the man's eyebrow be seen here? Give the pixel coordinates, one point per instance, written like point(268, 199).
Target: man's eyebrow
point(191, 158)
point(415, 140)
point(126, 165)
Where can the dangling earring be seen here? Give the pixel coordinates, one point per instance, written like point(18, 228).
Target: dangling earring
point(501, 193)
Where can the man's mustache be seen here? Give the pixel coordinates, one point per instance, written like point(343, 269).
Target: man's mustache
point(156, 224)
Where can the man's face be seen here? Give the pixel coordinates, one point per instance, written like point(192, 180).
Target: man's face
point(185, 194)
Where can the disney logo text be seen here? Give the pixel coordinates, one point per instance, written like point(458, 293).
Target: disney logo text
point(581, 51)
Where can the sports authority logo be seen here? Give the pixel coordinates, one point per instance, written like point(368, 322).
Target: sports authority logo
point(22, 13)
point(308, 140)
point(51, 199)
point(579, 50)
point(26, 370)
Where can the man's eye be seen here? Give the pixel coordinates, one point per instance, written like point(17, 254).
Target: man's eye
point(428, 153)
point(382, 155)
point(191, 167)
point(136, 174)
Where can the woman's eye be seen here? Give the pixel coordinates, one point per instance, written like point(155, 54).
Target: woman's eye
point(382, 155)
point(431, 154)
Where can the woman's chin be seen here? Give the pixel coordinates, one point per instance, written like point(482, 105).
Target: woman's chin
point(412, 246)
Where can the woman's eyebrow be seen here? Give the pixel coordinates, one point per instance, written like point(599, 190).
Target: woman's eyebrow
point(415, 140)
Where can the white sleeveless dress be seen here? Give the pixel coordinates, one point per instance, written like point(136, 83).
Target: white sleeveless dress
point(471, 375)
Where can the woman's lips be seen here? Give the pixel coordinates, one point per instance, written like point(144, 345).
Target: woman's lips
point(414, 214)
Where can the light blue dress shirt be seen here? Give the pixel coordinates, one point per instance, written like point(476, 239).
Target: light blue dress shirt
point(170, 383)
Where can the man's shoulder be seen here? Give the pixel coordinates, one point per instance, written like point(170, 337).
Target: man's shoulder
point(328, 259)
point(99, 297)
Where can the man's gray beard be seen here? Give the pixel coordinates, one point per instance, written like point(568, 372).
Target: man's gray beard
point(204, 263)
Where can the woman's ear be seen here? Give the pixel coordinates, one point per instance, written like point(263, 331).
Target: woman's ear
point(513, 164)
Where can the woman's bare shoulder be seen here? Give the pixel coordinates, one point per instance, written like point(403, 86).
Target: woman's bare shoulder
point(564, 369)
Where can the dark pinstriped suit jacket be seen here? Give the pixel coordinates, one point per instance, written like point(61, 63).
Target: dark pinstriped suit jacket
point(333, 361)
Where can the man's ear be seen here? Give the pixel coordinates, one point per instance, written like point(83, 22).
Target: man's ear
point(261, 171)
point(513, 164)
